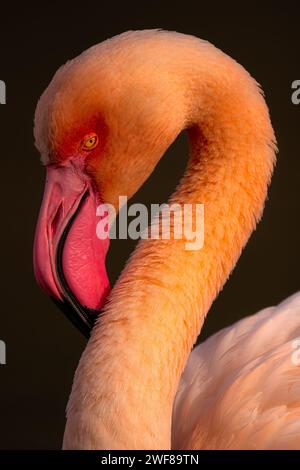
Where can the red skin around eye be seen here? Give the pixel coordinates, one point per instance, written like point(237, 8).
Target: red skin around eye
point(71, 143)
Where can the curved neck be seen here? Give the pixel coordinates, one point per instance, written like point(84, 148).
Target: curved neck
point(128, 376)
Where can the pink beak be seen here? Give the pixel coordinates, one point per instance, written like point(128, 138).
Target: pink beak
point(69, 259)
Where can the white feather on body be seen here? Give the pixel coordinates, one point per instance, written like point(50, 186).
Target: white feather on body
point(241, 388)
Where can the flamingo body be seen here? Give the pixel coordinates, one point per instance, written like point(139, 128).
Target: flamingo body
point(101, 126)
point(240, 389)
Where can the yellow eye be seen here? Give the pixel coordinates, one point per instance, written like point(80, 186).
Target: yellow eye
point(90, 142)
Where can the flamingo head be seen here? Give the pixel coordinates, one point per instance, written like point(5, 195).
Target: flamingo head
point(100, 126)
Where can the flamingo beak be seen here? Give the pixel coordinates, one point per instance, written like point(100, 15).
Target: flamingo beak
point(69, 259)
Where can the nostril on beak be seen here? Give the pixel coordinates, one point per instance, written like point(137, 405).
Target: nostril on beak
point(56, 219)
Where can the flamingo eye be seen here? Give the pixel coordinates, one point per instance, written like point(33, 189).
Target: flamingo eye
point(90, 142)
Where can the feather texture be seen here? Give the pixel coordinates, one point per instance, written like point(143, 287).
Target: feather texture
point(241, 387)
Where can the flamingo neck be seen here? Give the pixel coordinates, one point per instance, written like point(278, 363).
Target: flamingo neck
point(128, 376)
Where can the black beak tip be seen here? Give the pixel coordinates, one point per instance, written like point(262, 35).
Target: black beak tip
point(83, 323)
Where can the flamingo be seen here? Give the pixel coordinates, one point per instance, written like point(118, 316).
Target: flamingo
point(101, 126)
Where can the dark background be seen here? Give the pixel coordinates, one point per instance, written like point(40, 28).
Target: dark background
point(43, 348)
